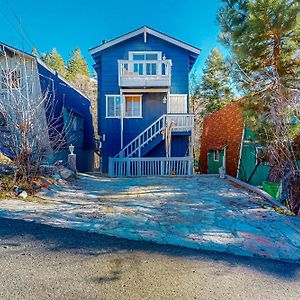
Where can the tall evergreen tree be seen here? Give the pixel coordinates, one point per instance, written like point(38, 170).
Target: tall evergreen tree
point(77, 65)
point(35, 52)
point(55, 61)
point(264, 37)
point(215, 85)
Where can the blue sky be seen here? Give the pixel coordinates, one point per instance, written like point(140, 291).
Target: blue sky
point(67, 24)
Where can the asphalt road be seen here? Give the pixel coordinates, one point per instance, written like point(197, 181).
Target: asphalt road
point(42, 262)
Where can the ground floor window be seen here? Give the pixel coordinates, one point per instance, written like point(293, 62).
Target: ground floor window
point(113, 106)
point(216, 155)
point(132, 106)
point(262, 156)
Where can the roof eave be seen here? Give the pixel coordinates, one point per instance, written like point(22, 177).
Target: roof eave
point(139, 31)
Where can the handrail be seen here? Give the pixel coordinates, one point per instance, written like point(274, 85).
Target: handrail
point(123, 72)
point(182, 122)
point(138, 138)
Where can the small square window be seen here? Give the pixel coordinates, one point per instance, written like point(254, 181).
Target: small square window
point(10, 79)
point(216, 155)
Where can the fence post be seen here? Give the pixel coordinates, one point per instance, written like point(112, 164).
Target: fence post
point(139, 165)
point(162, 169)
point(189, 166)
point(127, 164)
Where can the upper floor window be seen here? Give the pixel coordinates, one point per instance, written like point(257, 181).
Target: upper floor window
point(142, 67)
point(145, 55)
point(10, 79)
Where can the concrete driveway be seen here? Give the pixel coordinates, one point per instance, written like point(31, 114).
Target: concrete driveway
point(200, 212)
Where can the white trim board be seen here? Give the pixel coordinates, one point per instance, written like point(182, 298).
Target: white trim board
point(144, 30)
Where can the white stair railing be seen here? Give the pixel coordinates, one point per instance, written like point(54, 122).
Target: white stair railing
point(181, 122)
point(145, 137)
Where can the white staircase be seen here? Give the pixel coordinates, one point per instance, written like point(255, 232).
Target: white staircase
point(181, 122)
point(128, 162)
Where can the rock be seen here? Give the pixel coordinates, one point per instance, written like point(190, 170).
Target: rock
point(44, 182)
point(23, 195)
point(66, 173)
point(18, 190)
point(56, 177)
point(36, 186)
point(48, 170)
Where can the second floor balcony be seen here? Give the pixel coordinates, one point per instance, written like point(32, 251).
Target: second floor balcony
point(145, 73)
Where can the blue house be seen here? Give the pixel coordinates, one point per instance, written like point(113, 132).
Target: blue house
point(144, 124)
point(62, 114)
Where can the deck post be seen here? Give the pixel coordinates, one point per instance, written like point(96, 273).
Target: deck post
point(189, 166)
point(127, 164)
point(110, 167)
point(139, 171)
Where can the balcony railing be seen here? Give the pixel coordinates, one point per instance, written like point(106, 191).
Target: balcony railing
point(145, 73)
point(181, 122)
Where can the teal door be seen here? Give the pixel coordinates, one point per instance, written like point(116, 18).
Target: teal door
point(250, 170)
point(215, 161)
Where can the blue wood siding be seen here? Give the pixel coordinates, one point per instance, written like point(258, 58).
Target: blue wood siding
point(153, 107)
point(63, 96)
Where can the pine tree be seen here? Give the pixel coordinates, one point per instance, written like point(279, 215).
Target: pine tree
point(264, 37)
point(35, 52)
point(55, 61)
point(215, 86)
point(77, 65)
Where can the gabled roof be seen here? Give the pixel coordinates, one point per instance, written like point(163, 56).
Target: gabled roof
point(15, 50)
point(145, 30)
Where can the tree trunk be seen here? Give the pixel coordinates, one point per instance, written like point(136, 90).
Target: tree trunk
point(276, 162)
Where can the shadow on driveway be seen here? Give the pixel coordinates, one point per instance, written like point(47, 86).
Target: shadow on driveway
point(14, 232)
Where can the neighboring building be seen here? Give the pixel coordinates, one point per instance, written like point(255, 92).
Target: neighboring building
point(59, 103)
point(143, 108)
point(227, 142)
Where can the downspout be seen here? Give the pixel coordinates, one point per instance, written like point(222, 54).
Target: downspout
point(122, 119)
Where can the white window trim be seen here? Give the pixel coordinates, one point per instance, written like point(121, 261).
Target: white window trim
point(106, 107)
point(131, 53)
point(140, 116)
point(218, 155)
point(141, 106)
